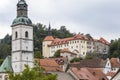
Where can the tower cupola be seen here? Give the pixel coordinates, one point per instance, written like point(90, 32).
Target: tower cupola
point(22, 9)
point(22, 14)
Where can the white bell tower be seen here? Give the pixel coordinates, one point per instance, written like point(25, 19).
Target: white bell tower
point(22, 39)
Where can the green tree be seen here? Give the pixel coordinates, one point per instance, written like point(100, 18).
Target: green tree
point(38, 54)
point(88, 57)
point(115, 48)
point(36, 73)
point(57, 53)
point(76, 60)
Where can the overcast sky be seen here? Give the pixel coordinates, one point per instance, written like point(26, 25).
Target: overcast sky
point(100, 18)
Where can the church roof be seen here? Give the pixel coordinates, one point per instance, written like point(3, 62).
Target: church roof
point(22, 21)
point(6, 65)
point(21, 2)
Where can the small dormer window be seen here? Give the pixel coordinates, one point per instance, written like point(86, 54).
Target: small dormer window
point(26, 34)
point(16, 35)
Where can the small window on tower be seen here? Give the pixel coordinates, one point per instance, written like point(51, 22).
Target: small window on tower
point(26, 34)
point(16, 35)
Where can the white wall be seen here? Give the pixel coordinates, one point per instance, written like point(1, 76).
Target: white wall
point(22, 47)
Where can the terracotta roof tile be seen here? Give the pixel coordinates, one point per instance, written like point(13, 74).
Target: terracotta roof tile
point(88, 73)
point(49, 64)
point(83, 73)
point(98, 73)
point(104, 41)
point(111, 74)
point(66, 40)
point(115, 62)
point(67, 50)
point(49, 38)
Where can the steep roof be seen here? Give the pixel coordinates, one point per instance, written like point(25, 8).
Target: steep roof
point(104, 41)
point(83, 74)
point(88, 73)
point(6, 65)
point(115, 62)
point(66, 40)
point(49, 64)
point(97, 73)
point(49, 38)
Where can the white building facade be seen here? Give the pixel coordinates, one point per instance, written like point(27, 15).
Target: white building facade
point(22, 39)
point(78, 44)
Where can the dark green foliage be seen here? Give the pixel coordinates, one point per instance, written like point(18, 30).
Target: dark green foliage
point(1, 61)
point(5, 46)
point(41, 31)
point(115, 48)
point(38, 54)
point(88, 57)
point(76, 60)
point(57, 53)
point(36, 73)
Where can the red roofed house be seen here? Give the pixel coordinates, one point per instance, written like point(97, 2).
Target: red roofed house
point(87, 74)
point(50, 65)
point(78, 44)
point(115, 64)
point(66, 53)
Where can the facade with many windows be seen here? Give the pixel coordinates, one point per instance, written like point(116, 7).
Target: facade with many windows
point(79, 44)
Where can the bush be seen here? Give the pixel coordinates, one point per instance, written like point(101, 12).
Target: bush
point(57, 53)
point(76, 60)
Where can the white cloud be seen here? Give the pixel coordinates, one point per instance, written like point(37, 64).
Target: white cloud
point(97, 17)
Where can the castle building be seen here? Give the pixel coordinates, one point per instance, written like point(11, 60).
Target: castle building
point(79, 44)
point(22, 39)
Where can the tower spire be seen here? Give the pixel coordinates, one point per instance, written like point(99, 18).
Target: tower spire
point(49, 30)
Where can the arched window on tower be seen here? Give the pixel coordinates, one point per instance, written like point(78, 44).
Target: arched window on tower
point(26, 34)
point(16, 35)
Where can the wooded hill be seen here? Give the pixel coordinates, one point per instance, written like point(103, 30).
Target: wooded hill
point(41, 31)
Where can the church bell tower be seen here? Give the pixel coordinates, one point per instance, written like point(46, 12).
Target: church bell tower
point(22, 39)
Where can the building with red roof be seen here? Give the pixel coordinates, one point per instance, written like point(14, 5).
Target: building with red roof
point(87, 74)
point(78, 44)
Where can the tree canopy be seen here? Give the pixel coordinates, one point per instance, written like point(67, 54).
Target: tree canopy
point(115, 48)
point(36, 73)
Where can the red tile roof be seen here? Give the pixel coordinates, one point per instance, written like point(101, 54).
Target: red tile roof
point(66, 40)
point(111, 74)
point(58, 41)
point(115, 62)
point(99, 75)
point(88, 73)
point(49, 64)
point(49, 38)
point(104, 41)
point(67, 50)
